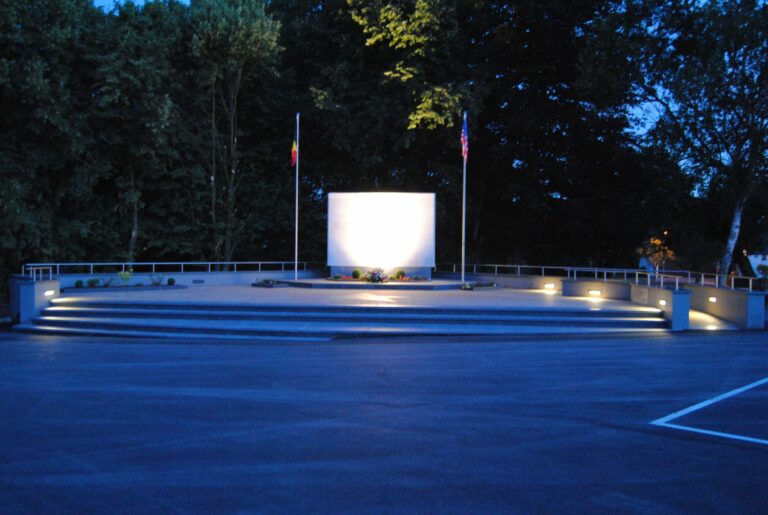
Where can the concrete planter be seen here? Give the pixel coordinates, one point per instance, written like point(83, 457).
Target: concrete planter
point(743, 308)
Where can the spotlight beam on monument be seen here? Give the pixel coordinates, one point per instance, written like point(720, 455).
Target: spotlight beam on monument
point(381, 230)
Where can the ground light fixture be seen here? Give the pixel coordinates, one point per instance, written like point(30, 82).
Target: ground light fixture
point(662, 302)
point(713, 299)
point(595, 293)
point(49, 293)
point(549, 286)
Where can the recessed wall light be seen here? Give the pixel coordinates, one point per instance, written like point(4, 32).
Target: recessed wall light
point(595, 293)
point(49, 293)
point(549, 286)
point(713, 299)
point(662, 302)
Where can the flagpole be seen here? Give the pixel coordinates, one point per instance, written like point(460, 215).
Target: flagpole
point(464, 208)
point(296, 210)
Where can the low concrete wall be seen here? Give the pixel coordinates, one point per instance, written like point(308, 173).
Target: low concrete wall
point(519, 282)
point(674, 304)
point(192, 278)
point(607, 289)
point(410, 271)
point(31, 298)
point(743, 308)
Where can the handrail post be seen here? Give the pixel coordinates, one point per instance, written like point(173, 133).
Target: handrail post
point(91, 268)
point(495, 269)
point(750, 284)
point(182, 268)
point(717, 281)
point(677, 283)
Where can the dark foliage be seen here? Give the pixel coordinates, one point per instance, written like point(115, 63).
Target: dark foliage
point(162, 131)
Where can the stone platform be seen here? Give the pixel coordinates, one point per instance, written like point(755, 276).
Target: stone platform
point(333, 284)
point(247, 313)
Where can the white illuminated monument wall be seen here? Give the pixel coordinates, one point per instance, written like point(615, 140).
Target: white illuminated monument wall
point(381, 230)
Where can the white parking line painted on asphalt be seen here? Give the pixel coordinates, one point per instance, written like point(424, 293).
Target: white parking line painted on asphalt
point(665, 421)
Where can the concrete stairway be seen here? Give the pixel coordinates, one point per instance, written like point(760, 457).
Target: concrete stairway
point(322, 323)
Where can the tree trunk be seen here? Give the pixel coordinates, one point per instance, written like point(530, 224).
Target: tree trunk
point(214, 221)
point(134, 220)
point(733, 235)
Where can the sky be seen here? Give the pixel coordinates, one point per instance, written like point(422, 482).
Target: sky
point(107, 4)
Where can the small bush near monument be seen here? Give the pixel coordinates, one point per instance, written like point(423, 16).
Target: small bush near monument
point(93, 282)
point(156, 280)
point(78, 284)
point(171, 281)
point(356, 273)
point(376, 275)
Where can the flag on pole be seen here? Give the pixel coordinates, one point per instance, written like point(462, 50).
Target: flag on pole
point(294, 153)
point(464, 139)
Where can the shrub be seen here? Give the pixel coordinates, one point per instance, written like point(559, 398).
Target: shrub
point(400, 274)
point(156, 280)
point(356, 273)
point(78, 283)
point(92, 282)
point(376, 275)
point(125, 275)
point(337, 276)
point(106, 283)
point(171, 281)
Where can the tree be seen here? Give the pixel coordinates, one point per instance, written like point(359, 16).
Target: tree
point(234, 41)
point(704, 66)
point(48, 170)
point(136, 114)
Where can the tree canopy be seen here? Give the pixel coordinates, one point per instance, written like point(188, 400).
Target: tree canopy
point(163, 130)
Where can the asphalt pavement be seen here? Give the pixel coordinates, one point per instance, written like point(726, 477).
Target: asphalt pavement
point(436, 425)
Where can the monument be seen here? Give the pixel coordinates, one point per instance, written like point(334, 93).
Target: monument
point(391, 231)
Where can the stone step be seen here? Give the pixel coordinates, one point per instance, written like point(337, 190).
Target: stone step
point(148, 333)
point(327, 329)
point(363, 310)
point(378, 316)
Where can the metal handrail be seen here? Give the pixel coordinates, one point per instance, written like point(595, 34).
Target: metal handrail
point(207, 266)
point(661, 277)
point(37, 271)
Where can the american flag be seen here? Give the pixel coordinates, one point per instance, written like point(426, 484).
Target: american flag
point(464, 139)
